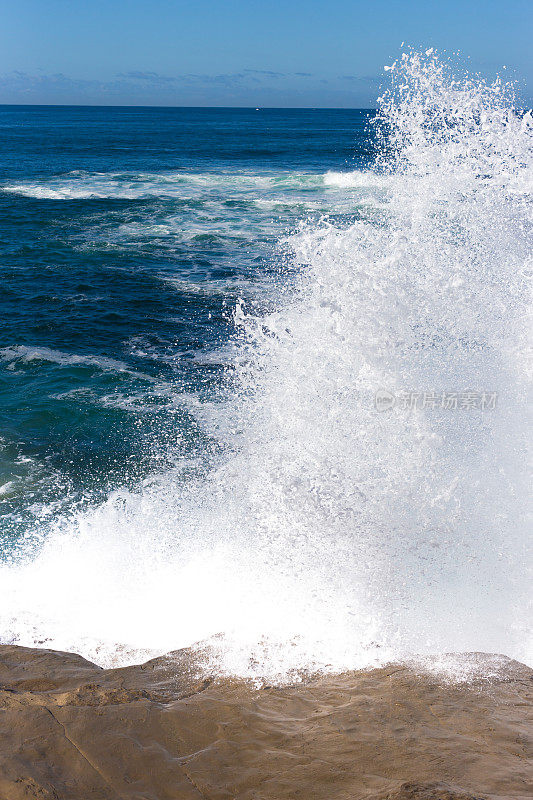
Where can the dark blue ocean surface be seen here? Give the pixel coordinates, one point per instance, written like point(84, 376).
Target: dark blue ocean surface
point(126, 237)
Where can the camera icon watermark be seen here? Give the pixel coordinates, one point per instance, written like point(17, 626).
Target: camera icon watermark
point(383, 400)
point(467, 400)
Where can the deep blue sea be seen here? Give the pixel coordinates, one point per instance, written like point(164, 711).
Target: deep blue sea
point(126, 237)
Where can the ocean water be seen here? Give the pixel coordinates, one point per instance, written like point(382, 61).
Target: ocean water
point(264, 378)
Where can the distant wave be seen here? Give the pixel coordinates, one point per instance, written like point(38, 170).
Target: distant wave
point(180, 185)
point(128, 186)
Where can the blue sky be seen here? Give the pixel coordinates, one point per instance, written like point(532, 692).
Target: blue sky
point(243, 52)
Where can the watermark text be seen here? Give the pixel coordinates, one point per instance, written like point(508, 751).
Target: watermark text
point(470, 400)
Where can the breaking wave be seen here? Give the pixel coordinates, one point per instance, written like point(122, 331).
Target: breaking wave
point(332, 533)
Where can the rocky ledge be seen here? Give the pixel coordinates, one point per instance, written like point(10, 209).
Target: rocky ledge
point(166, 730)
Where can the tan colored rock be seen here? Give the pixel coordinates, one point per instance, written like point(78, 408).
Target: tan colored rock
point(165, 730)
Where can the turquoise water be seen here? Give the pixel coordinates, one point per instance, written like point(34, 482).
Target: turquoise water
point(126, 238)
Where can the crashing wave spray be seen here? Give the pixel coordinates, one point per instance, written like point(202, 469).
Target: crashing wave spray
point(337, 534)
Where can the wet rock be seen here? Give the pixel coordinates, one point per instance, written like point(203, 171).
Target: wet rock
point(170, 730)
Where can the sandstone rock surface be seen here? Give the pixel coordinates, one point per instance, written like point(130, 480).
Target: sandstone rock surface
point(164, 730)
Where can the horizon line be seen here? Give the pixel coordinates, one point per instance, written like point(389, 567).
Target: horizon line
point(244, 108)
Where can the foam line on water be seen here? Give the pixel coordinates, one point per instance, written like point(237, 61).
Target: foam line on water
point(179, 185)
point(20, 355)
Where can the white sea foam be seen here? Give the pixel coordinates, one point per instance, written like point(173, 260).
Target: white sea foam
point(357, 179)
point(256, 287)
point(25, 354)
point(178, 185)
point(335, 536)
